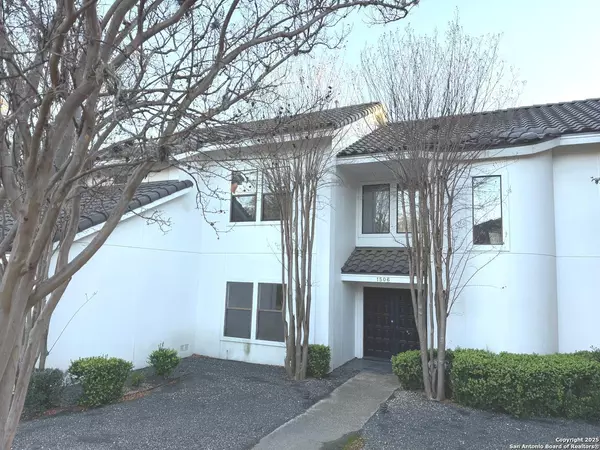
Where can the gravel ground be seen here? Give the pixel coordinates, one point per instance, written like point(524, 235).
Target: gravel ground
point(216, 405)
point(413, 423)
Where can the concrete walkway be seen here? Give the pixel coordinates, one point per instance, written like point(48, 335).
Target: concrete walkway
point(346, 410)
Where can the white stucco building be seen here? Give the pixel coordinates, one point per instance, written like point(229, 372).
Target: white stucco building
point(213, 289)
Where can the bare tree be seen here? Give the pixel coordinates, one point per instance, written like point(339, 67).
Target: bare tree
point(431, 87)
point(296, 163)
point(83, 82)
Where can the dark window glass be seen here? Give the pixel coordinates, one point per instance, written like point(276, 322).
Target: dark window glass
point(269, 319)
point(243, 208)
point(487, 210)
point(403, 224)
point(243, 196)
point(238, 311)
point(270, 208)
point(376, 209)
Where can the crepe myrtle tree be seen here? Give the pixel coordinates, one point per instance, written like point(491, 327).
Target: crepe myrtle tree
point(431, 85)
point(294, 156)
point(91, 87)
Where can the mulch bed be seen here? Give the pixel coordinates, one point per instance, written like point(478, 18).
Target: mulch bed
point(72, 392)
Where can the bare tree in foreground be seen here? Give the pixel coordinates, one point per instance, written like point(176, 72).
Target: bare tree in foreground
point(295, 164)
point(431, 86)
point(82, 82)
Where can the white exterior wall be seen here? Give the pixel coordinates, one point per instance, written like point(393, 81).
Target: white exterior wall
point(577, 206)
point(536, 293)
point(510, 303)
point(234, 252)
point(141, 287)
point(251, 252)
point(342, 308)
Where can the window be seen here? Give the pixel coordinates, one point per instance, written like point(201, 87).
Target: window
point(269, 204)
point(269, 319)
point(376, 209)
point(243, 196)
point(238, 310)
point(403, 223)
point(270, 208)
point(487, 210)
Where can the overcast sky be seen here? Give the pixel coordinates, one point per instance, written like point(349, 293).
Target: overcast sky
point(555, 45)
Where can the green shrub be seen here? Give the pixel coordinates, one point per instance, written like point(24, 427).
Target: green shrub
point(527, 385)
point(408, 368)
point(593, 354)
point(137, 378)
point(101, 378)
point(319, 360)
point(164, 361)
point(45, 389)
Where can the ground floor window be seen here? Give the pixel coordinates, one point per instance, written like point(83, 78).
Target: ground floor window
point(238, 310)
point(265, 299)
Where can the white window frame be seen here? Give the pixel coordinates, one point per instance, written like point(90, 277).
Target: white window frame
point(259, 200)
point(254, 315)
point(392, 238)
point(505, 193)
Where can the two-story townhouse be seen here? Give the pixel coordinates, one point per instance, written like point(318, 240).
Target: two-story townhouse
point(211, 285)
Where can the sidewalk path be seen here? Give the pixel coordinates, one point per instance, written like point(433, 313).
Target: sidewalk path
point(346, 410)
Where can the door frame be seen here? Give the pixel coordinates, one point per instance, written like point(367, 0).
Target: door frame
point(359, 320)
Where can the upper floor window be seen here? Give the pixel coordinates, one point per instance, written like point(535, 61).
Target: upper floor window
point(403, 212)
point(245, 202)
point(487, 210)
point(243, 196)
point(376, 209)
point(270, 209)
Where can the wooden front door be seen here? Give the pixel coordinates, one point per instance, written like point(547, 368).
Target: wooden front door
point(389, 323)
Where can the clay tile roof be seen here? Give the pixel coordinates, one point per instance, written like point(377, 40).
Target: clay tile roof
point(503, 128)
point(317, 120)
point(377, 260)
point(97, 204)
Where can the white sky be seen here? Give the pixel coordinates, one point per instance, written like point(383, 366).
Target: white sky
point(554, 44)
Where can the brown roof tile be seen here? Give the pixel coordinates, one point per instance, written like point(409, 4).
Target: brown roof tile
point(503, 128)
point(377, 260)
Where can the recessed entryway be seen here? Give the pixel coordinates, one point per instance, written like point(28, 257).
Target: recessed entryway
point(389, 322)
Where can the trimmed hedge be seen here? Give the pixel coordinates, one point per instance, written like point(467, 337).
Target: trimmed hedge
point(102, 379)
point(593, 354)
point(319, 360)
point(45, 389)
point(407, 367)
point(564, 385)
point(164, 361)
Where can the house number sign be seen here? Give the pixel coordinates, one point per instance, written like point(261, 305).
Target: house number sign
point(383, 279)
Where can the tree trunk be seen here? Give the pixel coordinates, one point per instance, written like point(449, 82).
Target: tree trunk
point(441, 359)
point(422, 329)
point(43, 351)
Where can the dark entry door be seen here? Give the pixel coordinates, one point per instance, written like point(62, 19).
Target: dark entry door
point(389, 322)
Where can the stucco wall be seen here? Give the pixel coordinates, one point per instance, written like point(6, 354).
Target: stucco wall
point(134, 294)
point(508, 302)
point(250, 252)
point(535, 293)
point(577, 206)
point(342, 298)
